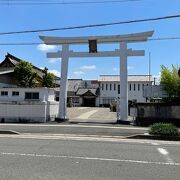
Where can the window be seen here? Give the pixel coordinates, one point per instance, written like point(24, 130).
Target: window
point(110, 87)
point(139, 87)
point(4, 93)
point(15, 93)
point(114, 87)
point(134, 87)
point(130, 87)
point(106, 87)
point(102, 87)
point(118, 89)
point(32, 95)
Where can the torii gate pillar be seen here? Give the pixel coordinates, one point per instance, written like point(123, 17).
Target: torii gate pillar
point(123, 83)
point(63, 83)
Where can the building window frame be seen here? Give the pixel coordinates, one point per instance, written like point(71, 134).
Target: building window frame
point(119, 89)
point(4, 93)
point(31, 96)
point(15, 93)
point(102, 86)
point(139, 87)
point(106, 87)
point(114, 87)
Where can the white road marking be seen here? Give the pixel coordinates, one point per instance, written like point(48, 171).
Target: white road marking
point(88, 158)
point(91, 138)
point(166, 154)
point(155, 144)
point(86, 115)
point(163, 151)
point(69, 125)
point(146, 133)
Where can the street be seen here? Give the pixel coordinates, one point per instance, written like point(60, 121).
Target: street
point(46, 157)
point(77, 129)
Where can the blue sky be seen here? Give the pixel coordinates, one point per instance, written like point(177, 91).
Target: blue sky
point(19, 17)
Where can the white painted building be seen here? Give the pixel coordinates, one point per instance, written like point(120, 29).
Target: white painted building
point(27, 105)
point(110, 88)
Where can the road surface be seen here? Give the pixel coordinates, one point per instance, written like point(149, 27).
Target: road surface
point(57, 157)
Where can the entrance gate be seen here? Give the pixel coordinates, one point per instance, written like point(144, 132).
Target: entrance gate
point(123, 52)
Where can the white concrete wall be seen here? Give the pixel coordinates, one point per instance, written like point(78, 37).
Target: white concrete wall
point(17, 109)
point(28, 111)
point(23, 112)
point(52, 110)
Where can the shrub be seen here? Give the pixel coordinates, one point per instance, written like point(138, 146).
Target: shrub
point(164, 129)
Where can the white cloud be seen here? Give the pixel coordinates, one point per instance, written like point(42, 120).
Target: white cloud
point(115, 69)
point(53, 60)
point(78, 73)
point(130, 67)
point(44, 47)
point(91, 67)
point(55, 72)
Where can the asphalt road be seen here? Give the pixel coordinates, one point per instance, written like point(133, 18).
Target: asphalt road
point(57, 159)
point(83, 129)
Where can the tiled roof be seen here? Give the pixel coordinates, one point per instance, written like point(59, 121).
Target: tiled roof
point(14, 60)
point(74, 84)
point(83, 91)
point(131, 78)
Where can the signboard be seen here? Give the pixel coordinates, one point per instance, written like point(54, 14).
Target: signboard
point(154, 92)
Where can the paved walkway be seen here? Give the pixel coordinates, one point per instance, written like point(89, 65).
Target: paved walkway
point(91, 115)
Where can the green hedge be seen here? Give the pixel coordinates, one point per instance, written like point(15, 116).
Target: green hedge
point(164, 129)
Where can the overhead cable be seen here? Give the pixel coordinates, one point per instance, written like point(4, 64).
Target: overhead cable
point(56, 2)
point(92, 25)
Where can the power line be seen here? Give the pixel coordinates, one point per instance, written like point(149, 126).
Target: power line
point(43, 2)
point(39, 43)
point(91, 25)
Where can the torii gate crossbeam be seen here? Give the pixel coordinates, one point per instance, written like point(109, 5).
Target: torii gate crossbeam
point(123, 53)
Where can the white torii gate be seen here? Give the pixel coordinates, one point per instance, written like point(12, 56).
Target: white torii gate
point(123, 52)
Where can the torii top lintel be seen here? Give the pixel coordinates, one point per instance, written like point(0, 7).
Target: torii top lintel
point(129, 38)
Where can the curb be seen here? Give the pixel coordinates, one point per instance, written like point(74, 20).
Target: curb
point(8, 132)
point(166, 138)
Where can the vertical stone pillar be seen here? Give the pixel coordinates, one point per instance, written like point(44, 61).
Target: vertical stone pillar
point(63, 83)
point(123, 83)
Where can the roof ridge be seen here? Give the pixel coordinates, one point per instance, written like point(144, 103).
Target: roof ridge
point(18, 59)
point(13, 57)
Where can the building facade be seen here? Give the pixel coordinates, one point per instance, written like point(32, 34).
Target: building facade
point(110, 88)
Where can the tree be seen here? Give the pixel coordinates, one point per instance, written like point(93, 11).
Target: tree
point(48, 78)
point(171, 82)
point(24, 74)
